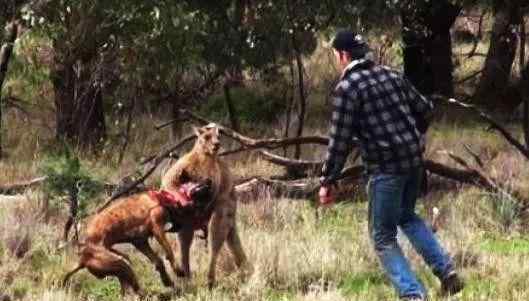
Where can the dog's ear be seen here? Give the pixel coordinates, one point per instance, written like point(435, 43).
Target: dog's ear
point(184, 177)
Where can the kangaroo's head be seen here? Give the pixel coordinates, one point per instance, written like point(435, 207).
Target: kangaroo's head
point(208, 139)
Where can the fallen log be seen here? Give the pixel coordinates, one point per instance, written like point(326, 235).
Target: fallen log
point(250, 143)
point(305, 187)
point(258, 187)
point(469, 175)
point(18, 188)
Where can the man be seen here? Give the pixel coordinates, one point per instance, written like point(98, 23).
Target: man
point(389, 118)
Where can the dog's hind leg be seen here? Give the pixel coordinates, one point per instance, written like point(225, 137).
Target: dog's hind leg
point(144, 247)
point(119, 253)
point(103, 263)
point(70, 274)
point(157, 227)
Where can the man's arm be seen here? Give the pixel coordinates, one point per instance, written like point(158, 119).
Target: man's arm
point(341, 134)
point(421, 107)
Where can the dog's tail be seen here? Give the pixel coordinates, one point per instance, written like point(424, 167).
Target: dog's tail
point(70, 274)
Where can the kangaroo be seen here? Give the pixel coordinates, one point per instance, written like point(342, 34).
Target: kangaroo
point(200, 164)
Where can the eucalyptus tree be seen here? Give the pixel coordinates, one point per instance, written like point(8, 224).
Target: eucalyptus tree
point(9, 13)
point(86, 37)
point(504, 40)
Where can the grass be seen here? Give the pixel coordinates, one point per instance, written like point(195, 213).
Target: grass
point(295, 253)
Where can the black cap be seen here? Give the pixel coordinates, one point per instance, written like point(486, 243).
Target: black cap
point(347, 40)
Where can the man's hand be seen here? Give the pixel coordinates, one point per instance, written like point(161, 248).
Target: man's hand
point(326, 195)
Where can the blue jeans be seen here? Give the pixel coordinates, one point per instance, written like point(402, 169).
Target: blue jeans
point(392, 199)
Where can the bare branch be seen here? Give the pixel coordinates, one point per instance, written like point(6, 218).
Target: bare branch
point(168, 123)
point(169, 151)
point(157, 160)
point(493, 124)
point(286, 162)
point(474, 155)
point(250, 143)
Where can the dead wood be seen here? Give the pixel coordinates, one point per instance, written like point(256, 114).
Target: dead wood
point(305, 187)
point(21, 186)
point(250, 143)
point(494, 125)
point(155, 162)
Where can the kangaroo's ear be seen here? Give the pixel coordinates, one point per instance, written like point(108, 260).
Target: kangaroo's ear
point(198, 131)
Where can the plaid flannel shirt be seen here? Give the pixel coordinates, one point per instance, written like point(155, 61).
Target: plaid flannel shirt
point(380, 108)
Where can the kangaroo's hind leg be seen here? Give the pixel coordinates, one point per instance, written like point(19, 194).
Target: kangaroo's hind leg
point(185, 237)
point(235, 246)
point(219, 228)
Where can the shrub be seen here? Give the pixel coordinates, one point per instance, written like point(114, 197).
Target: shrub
point(252, 106)
point(65, 176)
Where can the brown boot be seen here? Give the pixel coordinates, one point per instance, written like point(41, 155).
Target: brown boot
point(451, 284)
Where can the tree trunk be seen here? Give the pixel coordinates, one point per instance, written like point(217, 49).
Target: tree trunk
point(5, 55)
point(500, 57)
point(524, 78)
point(232, 115)
point(80, 118)
point(525, 98)
point(63, 80)
point(302, 96)
point(301, 86)
point(439, 47)
point(126, 136)
point(290, 104)
point(176, 127)
point(428, 45)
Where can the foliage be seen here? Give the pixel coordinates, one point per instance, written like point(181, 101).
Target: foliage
point(65, 176)
point(253, 107)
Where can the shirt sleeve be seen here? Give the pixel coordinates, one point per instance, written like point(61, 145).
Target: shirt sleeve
point(341, 134)
point(419, 104)
point(421, 107)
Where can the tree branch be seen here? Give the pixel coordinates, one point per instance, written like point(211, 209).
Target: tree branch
point(250, 143)
point(493, 124)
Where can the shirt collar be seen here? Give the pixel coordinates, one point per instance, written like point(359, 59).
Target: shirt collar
point(354, 63)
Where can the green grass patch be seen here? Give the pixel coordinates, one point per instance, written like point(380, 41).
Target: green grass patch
point(354, 284)
point(506, 246)
point(276, 295)
point(107, 290)
point(480, 289)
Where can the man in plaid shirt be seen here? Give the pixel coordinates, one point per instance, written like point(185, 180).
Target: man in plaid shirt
point(389, 117)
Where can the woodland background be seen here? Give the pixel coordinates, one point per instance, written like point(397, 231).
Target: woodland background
point(96, 95)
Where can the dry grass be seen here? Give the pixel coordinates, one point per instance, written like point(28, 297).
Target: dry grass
point(295, 256)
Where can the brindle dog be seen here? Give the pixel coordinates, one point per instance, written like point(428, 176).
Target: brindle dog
point(133, 220)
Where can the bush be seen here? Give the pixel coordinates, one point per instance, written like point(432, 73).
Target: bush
point(253, 107)
point(65, 176)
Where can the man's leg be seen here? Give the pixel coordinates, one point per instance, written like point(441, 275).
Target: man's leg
point(384, 214)
point(421, 236)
